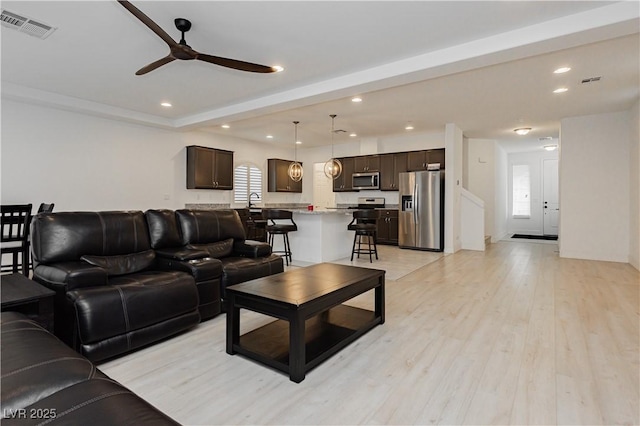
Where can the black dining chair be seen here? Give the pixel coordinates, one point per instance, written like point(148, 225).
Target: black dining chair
point(364, 223)
point(46, 207)
point(280, 222)
point(15, 221)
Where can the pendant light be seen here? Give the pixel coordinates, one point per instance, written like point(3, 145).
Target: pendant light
point(333, 167)
point(295, 169)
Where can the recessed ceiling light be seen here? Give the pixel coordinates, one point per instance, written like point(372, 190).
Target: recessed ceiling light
point(353, 135)
point(550, 147)
point(269, 136)
point(298, 142)
point(560, 90)
point(277, 68)
point(409, 126)
point(522, 130)
point(356, 99)
point(166, 104)
point(562, 70)
point(225, 126)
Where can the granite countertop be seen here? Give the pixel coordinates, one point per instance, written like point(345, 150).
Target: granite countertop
point(322, 211)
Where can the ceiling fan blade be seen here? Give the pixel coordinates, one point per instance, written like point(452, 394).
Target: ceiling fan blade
point(235, 64)
point(148, 22)
point(157, 64)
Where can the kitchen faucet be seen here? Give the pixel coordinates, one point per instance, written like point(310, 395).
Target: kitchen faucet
point(252, 194)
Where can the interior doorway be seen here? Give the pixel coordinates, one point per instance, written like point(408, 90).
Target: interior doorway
point(551, 205)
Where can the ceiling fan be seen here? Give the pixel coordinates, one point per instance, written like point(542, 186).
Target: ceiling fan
point(183, 51)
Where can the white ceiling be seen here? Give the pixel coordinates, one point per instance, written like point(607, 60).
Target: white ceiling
point(486, 66)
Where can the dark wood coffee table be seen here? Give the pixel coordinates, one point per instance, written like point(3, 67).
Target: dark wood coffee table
point(313, 323)
point(21, 294)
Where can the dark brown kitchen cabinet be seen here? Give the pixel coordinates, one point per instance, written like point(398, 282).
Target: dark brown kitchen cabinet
point(367, 163)
point(418, 160)
point(278, 179)
point(209, 168)
point(387, 231)
point(391, 165)
point(343, 183)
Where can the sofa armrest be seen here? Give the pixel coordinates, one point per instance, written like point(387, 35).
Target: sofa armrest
point(181, 253)
point(202, 269)
point(65, 276)
point(251, 248)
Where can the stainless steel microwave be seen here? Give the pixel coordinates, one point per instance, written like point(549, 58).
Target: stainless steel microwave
point(369, 180)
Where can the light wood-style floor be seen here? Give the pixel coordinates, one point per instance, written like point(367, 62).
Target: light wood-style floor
point(513, 335)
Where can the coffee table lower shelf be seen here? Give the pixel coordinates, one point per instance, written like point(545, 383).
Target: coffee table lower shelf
point(325, 334)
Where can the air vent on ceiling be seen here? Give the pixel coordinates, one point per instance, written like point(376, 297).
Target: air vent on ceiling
point(336, 131)
point(545, 139)
point(26, 25)
point(590, 80)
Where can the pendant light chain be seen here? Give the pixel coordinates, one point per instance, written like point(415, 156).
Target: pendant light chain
point(295, 169)
point(333, 167)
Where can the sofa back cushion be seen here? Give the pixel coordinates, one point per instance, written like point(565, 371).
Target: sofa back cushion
point(67, 236)
point(163, 229)
point(209, 226)
point(124, 263)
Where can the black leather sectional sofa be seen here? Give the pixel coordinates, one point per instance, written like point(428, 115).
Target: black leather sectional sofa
point(46, 382)
point(126, 279)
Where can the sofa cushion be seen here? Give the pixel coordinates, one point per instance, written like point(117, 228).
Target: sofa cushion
point(35, 364)
point(124, 263)
point(209, 226)
point(163, 228)
point(66, 236)
point(216, 250)
point(132, 302)
point(240, 269)
point(250, 248)
point(97, 402)
point(46, 382)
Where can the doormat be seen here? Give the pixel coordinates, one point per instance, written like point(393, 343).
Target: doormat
point(536, 237)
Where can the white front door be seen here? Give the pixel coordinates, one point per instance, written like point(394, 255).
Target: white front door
point(550, 197)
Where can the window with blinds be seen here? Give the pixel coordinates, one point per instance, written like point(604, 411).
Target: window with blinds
point(247, 179)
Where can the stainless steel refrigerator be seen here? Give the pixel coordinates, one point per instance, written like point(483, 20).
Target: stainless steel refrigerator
point(421, 210)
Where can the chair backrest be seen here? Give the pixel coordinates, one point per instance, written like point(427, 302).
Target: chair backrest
point(366, 215)
point(277, 214)
point(45, 208)
point(15, 222)
point(274, 217)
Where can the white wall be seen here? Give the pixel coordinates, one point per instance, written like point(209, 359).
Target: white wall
point(595, 187)
point(486, 177)
point(500, 210)
point(481, 177)
point(82, 162)
point(634, 186)
point(453, 184)
point(535, 159)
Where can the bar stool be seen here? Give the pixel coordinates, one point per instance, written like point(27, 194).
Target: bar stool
point(280, 222)
point(364, 222)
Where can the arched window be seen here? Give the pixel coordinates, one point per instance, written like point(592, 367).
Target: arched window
point(247, 179)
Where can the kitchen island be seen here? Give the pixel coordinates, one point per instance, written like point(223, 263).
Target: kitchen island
point(322, 236)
